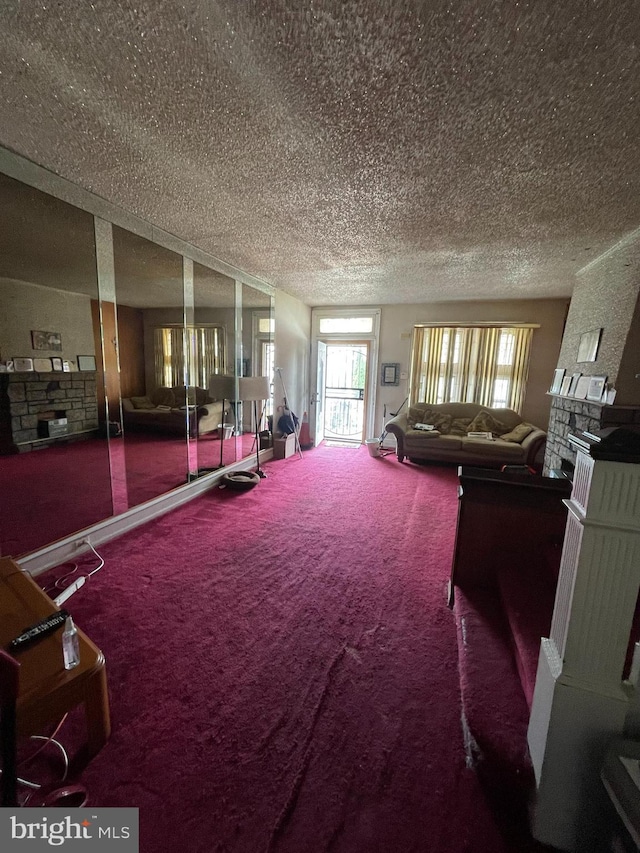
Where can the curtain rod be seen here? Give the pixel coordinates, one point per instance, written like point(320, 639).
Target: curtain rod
point(497, 325)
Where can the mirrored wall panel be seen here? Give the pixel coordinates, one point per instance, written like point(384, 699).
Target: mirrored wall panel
point(54, 461)
point(212, 371)
point(257, 361)
point(151, 355)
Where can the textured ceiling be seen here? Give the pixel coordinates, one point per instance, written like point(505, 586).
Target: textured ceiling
point(346, 152)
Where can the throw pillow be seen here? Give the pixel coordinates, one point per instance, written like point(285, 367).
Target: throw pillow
point(442, 423)
point(162, 397)
point(420, 414)
point(459, 426)
point(485, 422)
point(142, 403)
point(518, 433)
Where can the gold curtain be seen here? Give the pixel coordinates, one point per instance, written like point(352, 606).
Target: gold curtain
point(473, 364)
point(189, 359)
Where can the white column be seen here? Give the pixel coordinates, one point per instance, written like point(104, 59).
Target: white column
point(580, 701)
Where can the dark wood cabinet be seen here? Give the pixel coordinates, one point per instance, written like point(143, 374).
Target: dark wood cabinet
point(507, 521)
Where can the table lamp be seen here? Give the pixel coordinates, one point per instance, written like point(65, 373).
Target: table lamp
point(223, 388)
point(255, 388)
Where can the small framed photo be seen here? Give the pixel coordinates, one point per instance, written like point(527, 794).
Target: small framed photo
point(575, 378)
point(558, 376)
point(86, 362)
point(610, 396)
point(596, 387)
point(67, 367)
point(588, 347)
point(390, 374)
point(23, 365)
point(46, 340)
point(564, 388)
point(582, 387)
point(42, 365)
point(56, 364)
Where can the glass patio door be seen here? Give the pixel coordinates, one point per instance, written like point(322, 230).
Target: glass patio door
point(346, 381)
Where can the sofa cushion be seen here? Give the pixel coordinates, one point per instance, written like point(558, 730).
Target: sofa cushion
point(518, 433)
point(415, 440)
point(424, 414)
point(484, 421)
point(162, 397)
point(142, 403)
point(459, 426)
point(494, 448)
point(421, 413)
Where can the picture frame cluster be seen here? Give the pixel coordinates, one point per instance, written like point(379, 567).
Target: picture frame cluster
point(595, 389)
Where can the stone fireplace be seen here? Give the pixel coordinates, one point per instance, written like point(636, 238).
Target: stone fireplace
point(574, 416)
point(38, 409)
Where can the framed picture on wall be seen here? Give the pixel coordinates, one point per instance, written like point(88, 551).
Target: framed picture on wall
point(46, 340)
point(589, 343)
point(390, 374)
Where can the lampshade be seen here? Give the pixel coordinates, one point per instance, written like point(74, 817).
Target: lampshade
point(222, 387)
point(253, 387)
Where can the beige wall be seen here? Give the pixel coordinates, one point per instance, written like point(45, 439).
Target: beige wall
point(28, 307)
point(606, 297)
point(397, 322)
point(292, 343)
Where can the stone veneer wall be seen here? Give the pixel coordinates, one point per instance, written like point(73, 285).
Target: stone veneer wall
point(29, 394)
point(575, 416)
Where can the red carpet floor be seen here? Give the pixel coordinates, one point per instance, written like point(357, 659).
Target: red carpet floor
point(283, 667)
point(61, 489)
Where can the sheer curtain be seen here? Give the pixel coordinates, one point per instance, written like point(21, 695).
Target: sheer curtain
point(188, 359)
point(470, 364)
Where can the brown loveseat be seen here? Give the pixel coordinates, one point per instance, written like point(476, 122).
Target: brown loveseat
point(165, 410)
point(514, 441)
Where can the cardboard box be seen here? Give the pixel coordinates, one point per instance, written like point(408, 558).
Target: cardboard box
point(284, 447)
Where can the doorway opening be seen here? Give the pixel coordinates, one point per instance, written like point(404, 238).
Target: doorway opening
point(345, 393)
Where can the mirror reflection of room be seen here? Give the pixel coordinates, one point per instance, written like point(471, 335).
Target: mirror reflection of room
point(257, 360)
point(150, 353)
point(54, 466)
point(212, 364)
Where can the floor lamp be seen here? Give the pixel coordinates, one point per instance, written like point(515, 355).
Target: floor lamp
point(222, 388)
point(255, 388)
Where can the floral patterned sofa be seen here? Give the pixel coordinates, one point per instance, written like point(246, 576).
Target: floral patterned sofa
point(513, 442)
point(165, 410)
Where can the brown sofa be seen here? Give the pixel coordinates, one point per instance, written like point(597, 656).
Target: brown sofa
point(514, 441)
point(165, 410)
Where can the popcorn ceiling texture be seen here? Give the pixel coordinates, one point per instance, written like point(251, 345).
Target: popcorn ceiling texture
point(347, 152)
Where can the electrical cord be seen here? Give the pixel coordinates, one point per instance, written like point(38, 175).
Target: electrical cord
point(60, 584)
point(50, 739)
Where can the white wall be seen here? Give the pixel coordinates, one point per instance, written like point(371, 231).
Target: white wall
point(397, 322)
point(28, 307)
point(292, 344)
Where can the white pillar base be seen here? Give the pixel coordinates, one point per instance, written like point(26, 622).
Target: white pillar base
point(570, 726)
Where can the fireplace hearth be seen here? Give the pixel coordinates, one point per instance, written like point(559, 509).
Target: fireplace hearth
point(38, 409)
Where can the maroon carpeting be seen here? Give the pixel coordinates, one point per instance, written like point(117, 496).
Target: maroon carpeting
point(40, 494)
point(61, 489)
point(283, 667)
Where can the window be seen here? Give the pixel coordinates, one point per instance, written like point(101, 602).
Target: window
point(346, 325)
point(203, 347)
point(470, 364)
